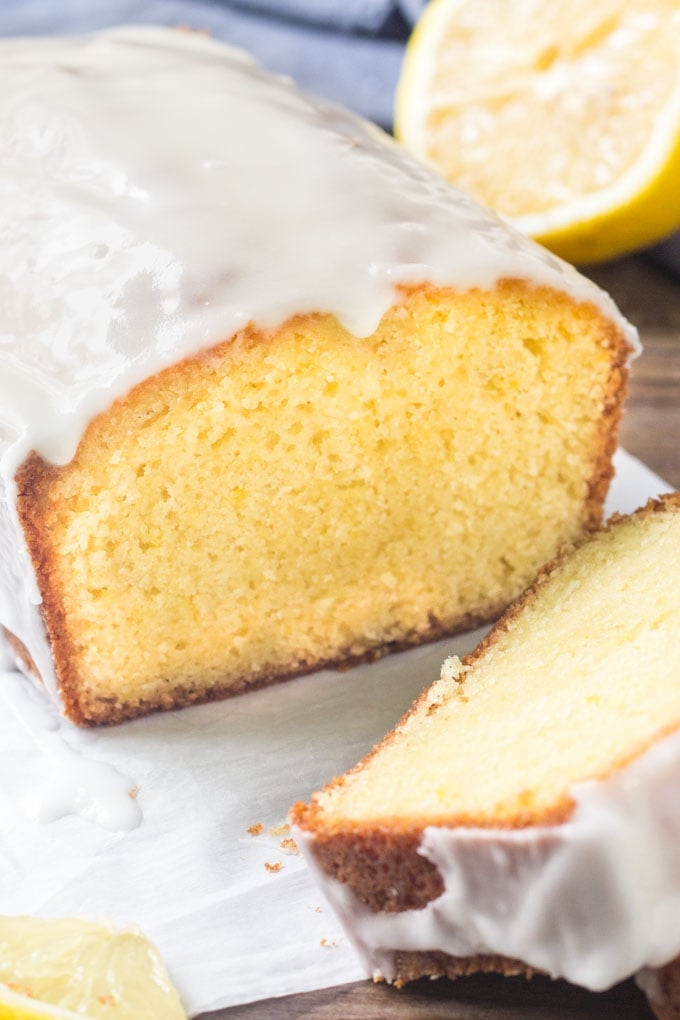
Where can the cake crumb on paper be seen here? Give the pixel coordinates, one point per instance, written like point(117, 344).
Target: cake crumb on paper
point(256, 829)
point(328, 945)
point(290, 846)
point(279, 830)
point(276, 866)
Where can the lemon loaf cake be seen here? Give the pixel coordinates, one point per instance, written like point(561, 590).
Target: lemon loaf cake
point(524, 815)
point(272, 396)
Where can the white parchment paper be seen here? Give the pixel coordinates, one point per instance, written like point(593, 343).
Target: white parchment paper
point(192, 876)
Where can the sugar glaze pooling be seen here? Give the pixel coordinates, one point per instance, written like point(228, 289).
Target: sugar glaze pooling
point(160, 192)
point(75, 784)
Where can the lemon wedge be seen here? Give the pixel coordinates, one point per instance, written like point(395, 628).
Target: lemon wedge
point(564, 117)
point(68, 969)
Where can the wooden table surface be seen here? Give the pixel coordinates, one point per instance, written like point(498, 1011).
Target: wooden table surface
point(650, 298)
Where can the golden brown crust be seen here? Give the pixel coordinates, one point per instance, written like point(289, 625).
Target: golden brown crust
point(103, 712)
point(33, 488)
point(660, 985)
point(380, 862)
point(409, 966)
point(381, 866)
point(608, 427)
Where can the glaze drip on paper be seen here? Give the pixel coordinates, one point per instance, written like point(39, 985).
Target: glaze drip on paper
point(74, 784)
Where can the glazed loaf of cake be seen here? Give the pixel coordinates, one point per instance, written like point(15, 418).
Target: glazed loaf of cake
point(272, 395)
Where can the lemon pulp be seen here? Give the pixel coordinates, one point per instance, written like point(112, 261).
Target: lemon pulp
point(565, 118)
point(68, 968)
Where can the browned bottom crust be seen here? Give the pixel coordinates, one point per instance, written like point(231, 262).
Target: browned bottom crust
point(661, 986)
point(110, 711)
point(409, 966)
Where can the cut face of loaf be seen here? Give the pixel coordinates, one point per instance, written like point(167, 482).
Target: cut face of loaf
point(524, 814)
point(302, 497)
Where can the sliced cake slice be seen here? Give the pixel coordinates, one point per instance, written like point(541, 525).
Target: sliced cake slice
point(525, 814)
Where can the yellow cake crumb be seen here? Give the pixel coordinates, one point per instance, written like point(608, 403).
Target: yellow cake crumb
point(431, 467)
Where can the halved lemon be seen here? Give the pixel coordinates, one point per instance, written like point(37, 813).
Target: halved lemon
point(70, 969)
point(564, 117)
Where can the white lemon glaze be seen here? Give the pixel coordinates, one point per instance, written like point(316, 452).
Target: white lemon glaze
point(158, 192)
point(593, 900)
point(74, 784)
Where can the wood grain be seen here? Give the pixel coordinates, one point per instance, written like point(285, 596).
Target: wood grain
point(650, 298)
point(483, 997)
